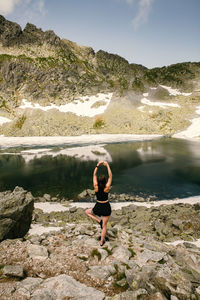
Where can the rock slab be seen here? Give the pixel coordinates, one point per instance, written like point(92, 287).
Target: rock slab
point(63, 286)
point(16, 210)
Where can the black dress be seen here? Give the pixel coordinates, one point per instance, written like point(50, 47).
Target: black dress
point(102, 209)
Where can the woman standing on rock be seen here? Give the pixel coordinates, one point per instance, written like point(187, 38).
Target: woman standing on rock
point(102, 207)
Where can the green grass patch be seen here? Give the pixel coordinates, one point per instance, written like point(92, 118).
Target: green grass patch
point(95, 252)
point(162, 261)
point(83, 258)
point(49, 61)
point(20, 122)
point(5, 57)
point(132, 252)
point(138, 85)
point(27, 58)
point(108, 250)
point(120, 276)
point(116, 267)
point(98, 123)
point(127, 266)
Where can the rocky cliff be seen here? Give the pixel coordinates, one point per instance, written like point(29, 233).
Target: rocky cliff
point(42, 68)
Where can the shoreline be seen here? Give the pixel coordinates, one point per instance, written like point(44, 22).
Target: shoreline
point(48, 207)
point(85, 139)
point(7, 142)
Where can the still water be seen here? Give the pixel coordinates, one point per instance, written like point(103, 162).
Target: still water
point(165, 168)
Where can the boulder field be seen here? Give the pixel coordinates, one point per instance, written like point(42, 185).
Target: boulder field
point(138, 261)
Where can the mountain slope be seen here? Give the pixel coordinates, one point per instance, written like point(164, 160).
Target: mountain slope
point(42, 68)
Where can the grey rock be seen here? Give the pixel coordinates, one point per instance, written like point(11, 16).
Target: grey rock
point(159, 227)
point(140, 292)
point(54, 199)
point(120, 267)
point(190, 245)
point(112, 270)
point(173, 297)
point(158, 296)
point(130, 295)
point(117, 227)
point(16, 210)
point(12, 34)
point(44, 294)
point(90, 192)
point(82, 256)
point(156, 246)
point(148, 255)
point(124, 221)
point(22, 293)
point(83, 194)
point(177, 223)
point(197, 292)
point(140, 279)
point(29, 284)
point(122, 282)
point(122, 254)
point(89, 232)
point(99, 272)
point(112, 232)
point(73, 209)
point(37, 252)
point(86, 241)
point(103, 253)
point(172, 281)
point(47, 197)
point(59, 287)
point(133, 265)
point(13, 271)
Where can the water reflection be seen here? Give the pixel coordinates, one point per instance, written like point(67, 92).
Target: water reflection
point(86, 153)
point(165, 168)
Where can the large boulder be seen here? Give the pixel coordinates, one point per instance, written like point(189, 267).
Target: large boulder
point(65, 287)
point(16, 210)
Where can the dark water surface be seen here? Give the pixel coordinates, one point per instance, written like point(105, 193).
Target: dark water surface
point(165, 168)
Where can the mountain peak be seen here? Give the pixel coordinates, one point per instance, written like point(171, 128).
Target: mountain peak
point(9, 32)
point(11, 35)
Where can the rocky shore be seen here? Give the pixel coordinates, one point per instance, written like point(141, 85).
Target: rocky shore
point(140, 259)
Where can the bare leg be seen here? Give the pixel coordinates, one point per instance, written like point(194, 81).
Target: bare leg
point(91, 215)
point(103, 232)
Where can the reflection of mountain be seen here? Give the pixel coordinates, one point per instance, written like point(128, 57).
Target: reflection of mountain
point(168, 168)
point(92, 152)
point(130, 155)
point(164, 168)
point(8, 162)
point(147, 153)
point(66, 172)
point(61, 175)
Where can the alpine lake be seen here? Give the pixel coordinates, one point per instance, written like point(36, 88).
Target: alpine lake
point(165, 168)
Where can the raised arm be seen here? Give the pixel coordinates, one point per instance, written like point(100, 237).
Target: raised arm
point(95, 182)
point(108, 184)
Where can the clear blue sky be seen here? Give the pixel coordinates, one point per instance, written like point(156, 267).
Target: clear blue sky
point(148, 32)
